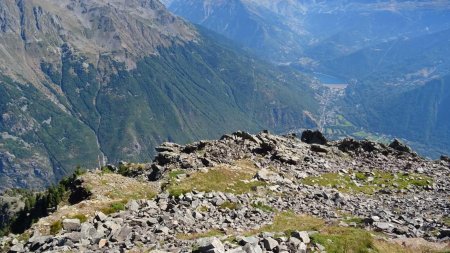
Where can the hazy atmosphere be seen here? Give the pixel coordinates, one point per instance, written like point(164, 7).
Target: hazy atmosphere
point(225, 126)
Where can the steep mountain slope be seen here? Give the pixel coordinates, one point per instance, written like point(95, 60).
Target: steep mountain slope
point(392, 52)
point(420, 115)
point(406, 60)
point(88, 82)
point(401, 88)
point(253, 26)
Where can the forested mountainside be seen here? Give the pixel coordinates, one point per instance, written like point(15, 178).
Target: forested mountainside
point(88, 82)
point(386, 50)
point(401, 88)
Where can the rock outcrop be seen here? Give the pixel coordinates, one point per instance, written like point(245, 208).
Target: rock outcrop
point(268, 193)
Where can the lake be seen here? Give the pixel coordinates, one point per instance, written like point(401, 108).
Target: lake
point(331, 81)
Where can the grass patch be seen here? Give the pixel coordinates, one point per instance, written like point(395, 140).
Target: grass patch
point(130, 169)
point(356, 220)
point(369, 184)
point(334, 239)
point(354, 240)
point(56, 227)
point(383, 246)
point(446, 221)
point(114, 207)
point(349, 218)
point(288, 221)
point(203, 209)
point(261, 206)
point(24, 237)
point(351, 240)
point(229, 205)
point(107, 170)
point(118, 187)
point(194, 236)
point(175, 173)
point(235, 180)
point(83, 218)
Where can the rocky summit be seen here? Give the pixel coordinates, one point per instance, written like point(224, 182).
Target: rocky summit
point(255, 193)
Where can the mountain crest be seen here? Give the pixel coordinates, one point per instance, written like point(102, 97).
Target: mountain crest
point(128, 30)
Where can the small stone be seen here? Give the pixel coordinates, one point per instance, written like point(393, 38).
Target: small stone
point(71, 225)
point(375, 218)
point(250, 239)
point(236, 250)
point(270, 243)
point(302, 248)
point(18, 248)
point(99, 216)
point(133, 206)
point(249, 248)
point(163, 230)
point(210, 245)
point(420, 170)
point(444, 233)
point(320, 247)
point(88, 231)
point(123, 235)
point(294, 241)
point(197, 215)
point(102, 243)
point(75, 237)
point(152, 221)
point(382, 226)
point(113, 227)
point(302, 235)
point(218, 201)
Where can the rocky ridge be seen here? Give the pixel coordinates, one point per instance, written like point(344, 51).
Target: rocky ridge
point(299, 192)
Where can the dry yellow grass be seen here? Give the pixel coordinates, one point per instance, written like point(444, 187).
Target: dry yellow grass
point(194, 236)
point(344, 239)
point(117, 187)
point(107, 189)
point(224, 178)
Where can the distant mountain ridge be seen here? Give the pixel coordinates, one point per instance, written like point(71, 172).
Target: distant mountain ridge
point(289, 30)
point(401, 88)
point(389, 51)
point(89, 82)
